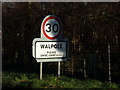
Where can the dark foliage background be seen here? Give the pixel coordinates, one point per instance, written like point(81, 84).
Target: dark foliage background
point(89, 27)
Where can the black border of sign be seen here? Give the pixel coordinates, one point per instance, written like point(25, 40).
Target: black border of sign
point(54, 57)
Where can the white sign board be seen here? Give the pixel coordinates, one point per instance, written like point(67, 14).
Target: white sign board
point(50, 49)
point(51, 46)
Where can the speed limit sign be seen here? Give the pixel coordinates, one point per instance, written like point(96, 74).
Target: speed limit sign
point(51, 46)
point(51, 27)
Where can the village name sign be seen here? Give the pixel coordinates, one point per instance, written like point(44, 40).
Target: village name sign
point(51, 47)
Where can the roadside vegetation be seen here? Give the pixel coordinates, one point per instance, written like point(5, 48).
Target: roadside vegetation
point(31, 80)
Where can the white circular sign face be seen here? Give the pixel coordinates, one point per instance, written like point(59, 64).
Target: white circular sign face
point(51, 27)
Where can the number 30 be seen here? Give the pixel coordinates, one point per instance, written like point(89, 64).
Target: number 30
point(53, 27)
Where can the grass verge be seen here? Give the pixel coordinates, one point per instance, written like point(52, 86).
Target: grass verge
point(31, 80)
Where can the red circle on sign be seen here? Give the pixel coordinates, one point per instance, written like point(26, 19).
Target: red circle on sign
point(43, 27)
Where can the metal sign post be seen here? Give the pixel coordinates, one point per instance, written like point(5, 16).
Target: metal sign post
point(58, 68)
point(40, 70)
point(51, 47)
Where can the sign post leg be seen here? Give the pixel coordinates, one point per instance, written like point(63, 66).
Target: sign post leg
point(59, 69)
point(40, 70)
